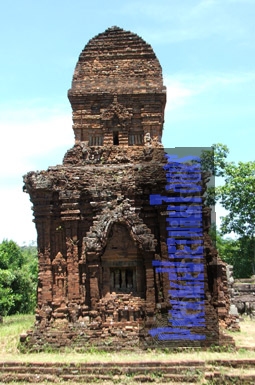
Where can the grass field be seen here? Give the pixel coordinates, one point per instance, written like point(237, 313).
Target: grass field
point(13, 326)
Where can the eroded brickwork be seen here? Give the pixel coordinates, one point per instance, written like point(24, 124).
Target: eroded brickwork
point(97, 231)
point(117, 91)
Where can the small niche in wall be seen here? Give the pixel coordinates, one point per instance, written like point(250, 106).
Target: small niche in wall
point(115, 138)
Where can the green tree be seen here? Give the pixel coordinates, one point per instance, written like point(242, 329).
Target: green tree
point(213, 164)
point(234, 252)
point(241, 257)
point(10, 255)
point(30, 271)
point(18, 277)
point(214, 161)
point(237, 196)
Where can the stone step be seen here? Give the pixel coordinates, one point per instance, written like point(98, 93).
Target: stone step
point(98, 379)
point(237, 363)
point(218, 378)
point(108, 364)
point(185, 372)
point(26, 377)
point(116, 367)
point(114, 371)
point(145, 372)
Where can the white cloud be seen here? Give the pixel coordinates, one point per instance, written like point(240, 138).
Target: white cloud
point(182, 88)
point(16, 216)
point(178, 92)
point(30, 133)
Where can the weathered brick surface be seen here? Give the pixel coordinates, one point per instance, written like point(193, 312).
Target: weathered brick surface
point(97, 232)
point(157, 372)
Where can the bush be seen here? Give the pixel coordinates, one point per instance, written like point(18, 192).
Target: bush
point(18, 278)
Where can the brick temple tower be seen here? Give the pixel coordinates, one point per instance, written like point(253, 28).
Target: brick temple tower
point(117, 93)
point(98, 233)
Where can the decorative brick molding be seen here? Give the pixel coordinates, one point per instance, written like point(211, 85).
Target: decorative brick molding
point(98, 234)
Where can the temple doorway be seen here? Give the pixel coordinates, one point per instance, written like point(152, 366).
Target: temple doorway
point(122, 264)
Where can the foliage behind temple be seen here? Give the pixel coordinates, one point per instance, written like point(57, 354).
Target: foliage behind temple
point(18, 278)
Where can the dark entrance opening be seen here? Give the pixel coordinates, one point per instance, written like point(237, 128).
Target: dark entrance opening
point(116, 138)
point(123, 270)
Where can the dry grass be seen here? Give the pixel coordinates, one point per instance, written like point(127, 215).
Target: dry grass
point(246, 338)
point(15, 325)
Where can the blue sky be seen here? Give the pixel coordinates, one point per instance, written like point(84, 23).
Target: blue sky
point(207, 52)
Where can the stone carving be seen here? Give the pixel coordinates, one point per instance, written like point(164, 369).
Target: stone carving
point(147, 139)
point(120, 211)
point(98, 234)
point(59, 273)
point(117, 116)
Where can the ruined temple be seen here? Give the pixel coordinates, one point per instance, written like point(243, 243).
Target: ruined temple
point(100, 237)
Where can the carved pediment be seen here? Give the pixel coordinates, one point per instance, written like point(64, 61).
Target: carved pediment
point(122, 214)
point(59, 262)
point(116, 115)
